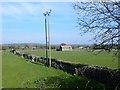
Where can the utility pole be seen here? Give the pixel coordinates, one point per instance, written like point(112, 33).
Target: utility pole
point(47, 35)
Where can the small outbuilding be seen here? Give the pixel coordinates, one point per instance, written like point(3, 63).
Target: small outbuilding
point(34, 48)
point(65, 48)
point(23, 48)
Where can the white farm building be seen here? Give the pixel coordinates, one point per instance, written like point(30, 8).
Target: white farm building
point(65, 48)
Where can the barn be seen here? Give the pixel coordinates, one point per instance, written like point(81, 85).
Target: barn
point(65, 48)
point(34, 48)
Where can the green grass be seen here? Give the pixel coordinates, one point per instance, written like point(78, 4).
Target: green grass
point(82, 57)
point(19, 73)
point(0, 69)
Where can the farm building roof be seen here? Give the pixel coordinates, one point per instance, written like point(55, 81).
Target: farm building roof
point(65, 46)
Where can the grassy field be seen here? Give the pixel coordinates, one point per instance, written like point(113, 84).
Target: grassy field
point(0, 69)
point(82, 57)
point(19, 73)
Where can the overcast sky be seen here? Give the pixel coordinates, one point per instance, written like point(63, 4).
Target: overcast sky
point(24, 23)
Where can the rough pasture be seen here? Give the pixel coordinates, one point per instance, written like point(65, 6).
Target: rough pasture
point(98, 73)
point(0, 69)
point(82, 57)
point(19, 73)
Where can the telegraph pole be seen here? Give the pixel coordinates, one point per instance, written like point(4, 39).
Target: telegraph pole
point(46, 36)
point(49, 37)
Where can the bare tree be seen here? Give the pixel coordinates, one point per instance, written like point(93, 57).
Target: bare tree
point(100, 18)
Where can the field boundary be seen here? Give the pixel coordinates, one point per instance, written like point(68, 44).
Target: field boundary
point(97, 73)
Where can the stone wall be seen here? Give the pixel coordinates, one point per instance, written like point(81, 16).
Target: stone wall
point(100, 74)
